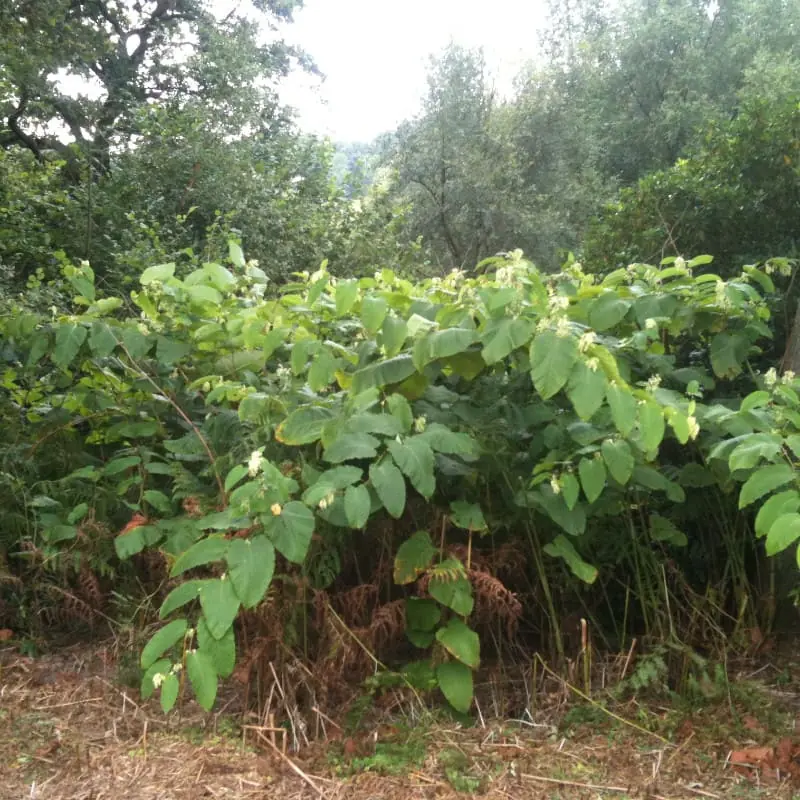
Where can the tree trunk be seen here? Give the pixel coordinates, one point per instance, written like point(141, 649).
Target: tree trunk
point(791, 356)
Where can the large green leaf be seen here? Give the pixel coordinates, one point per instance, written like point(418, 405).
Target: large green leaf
point(135, 540)
point(393, 334)
point(501, 340)
point(135, 343)
point(586, 389)
point(608, 310)
point(442, 344)
point(390, 486)
point(623, 408)
point(763, 481)
point(570, 489)
point(453, 443)
point(552, 360)
point(561, 547)
point(383, 373)
point(619, 459)
point(303, 426)
point(170, 351)
point(468, 516)
point(651, 425)
point(753, 449)
point(400, 408)
point(373, 313)
point(251, 563)
point(322, 371)
point(572, 520)
point(455, 594)
point(161, 273)
point(220, 606)
point(380, 424)
point(160, 667)
point(330, 482)
point(352, 446)
point(102, 340)
point(777, 505)
point(357, 505)
point(413, 557)
point(416, 460)
point(201, 293)
point(234, 476)
point(162, 640)
point(203, 677)
point(455, 681)
point(180, 596)
point(69, 338)
point(421, 614)
point(346, 296)
point(170, 687)
point(206, 551)
point(290, 531)
point(728, 351)
point(461, 642)
point(783, 532)
point(221, 652)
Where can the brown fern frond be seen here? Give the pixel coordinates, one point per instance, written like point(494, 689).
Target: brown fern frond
point(357, 604)
point(90, 588)
point(192, 506)
point(494, 600)
point(388, 623)
point(67, 610)
point(509, 559)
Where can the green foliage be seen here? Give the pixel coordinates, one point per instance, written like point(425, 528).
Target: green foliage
point(286, 459)
point(733, 194)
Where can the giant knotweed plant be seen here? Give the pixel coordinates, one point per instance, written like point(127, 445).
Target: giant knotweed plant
point(238, 423)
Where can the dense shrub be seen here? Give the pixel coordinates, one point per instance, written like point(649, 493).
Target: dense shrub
point(468, 433)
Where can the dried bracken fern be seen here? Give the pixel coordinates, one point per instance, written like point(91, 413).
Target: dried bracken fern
point(357, 604)
point(90, 589)
point(494, 601)
point(388, 624)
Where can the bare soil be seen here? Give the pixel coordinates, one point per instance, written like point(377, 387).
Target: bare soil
point(70, 731)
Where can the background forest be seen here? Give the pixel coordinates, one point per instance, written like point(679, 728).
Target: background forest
point(515, 378)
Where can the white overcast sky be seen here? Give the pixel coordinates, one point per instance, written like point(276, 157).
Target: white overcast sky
point(374, 54)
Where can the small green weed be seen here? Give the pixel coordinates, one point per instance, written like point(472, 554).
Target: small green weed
point(391, 757)
point(458, 771)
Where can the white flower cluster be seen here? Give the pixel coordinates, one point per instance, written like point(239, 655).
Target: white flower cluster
point(770, 378)
point(563, 328)
point(586, 341)
point(326, 501)
point(722, 299)
point(558, 302)
point(781, 266)
point(284, 376)
point(255, 463)
point(653, 382)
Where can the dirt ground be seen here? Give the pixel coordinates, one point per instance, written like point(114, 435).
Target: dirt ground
point(70, 731)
